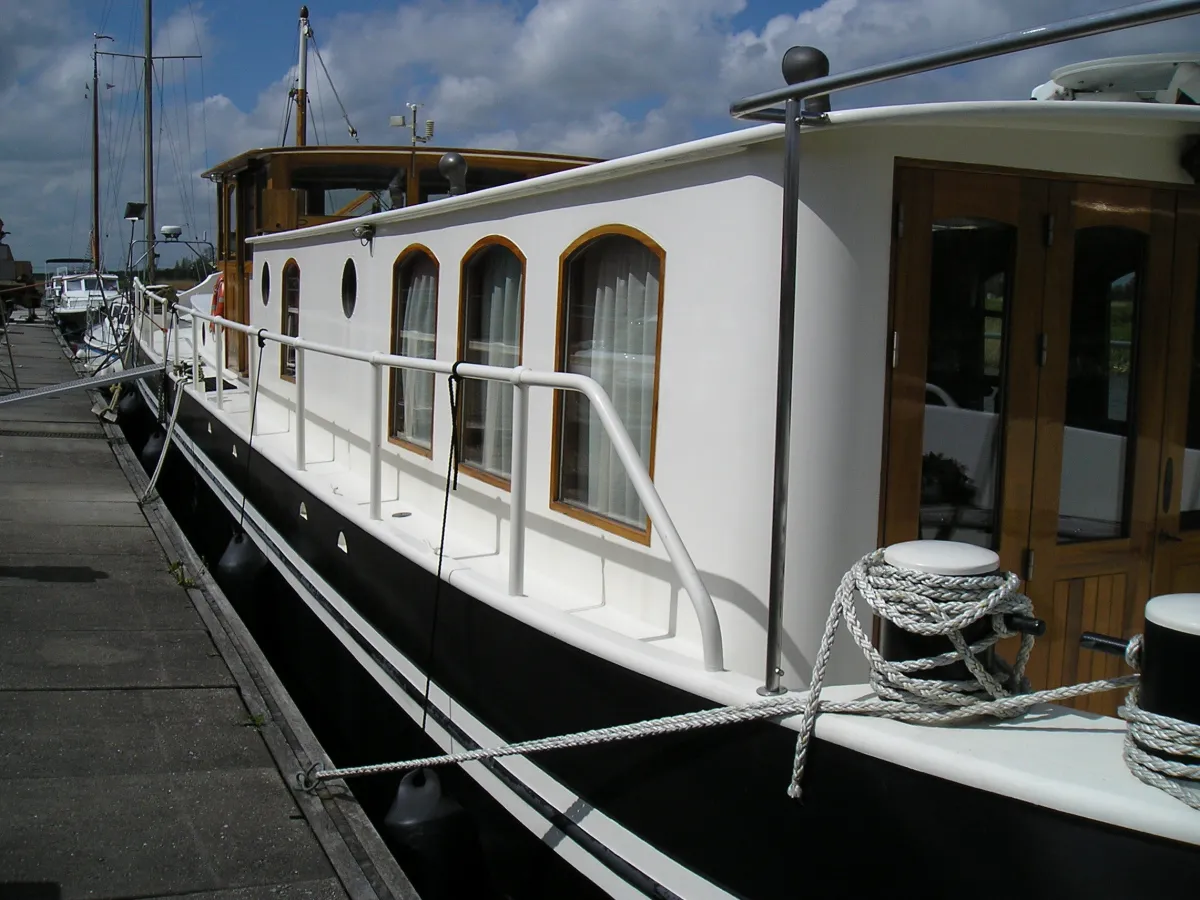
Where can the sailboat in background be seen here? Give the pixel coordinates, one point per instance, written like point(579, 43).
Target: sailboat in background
point(104, 329)
point(78, 291)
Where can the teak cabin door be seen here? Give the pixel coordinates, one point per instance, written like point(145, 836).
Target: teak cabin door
point(1039, 402)
point(1177, 554)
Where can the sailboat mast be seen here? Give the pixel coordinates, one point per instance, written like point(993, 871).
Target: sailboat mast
point(148, 80)
point(302, 81)
point(95, 242)
point(95, 155)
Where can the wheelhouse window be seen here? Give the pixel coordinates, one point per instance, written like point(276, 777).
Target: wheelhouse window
point(291, 318)
point(608, 330)
point(342, 190)
point(414, 322)
point(490, 334)
point(432, 184)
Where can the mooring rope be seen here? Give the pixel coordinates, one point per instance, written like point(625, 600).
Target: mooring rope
point(926, 604)
point(1149, 734)
point(162, 457)
point(262, 343)
point(452, 463)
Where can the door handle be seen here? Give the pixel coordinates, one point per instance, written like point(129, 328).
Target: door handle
point(1165, 537)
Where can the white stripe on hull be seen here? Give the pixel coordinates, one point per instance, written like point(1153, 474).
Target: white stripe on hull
point(607, 831)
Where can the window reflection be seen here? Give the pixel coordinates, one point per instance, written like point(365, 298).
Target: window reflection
point(611, 335)
point(970, 293)
point(491, 335)
point(414, 316)
point(291, 317)
point(1189, 500)
point(1096, 460)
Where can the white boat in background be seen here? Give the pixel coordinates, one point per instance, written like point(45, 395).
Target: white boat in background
point(75, 293)
point(107, 335)
point(106, 338)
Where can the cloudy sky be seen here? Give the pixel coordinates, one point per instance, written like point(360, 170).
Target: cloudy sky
point(595, 77)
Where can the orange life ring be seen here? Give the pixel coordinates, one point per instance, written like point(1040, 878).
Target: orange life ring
point(218, 301)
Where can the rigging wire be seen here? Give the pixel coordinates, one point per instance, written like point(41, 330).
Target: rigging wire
point(105, 127)
point(178, 125)
point(291, 95)
point(187, 183)
point(203, 92)
point(286, 121)
point(115, 113)
point(169, 138)
point(187, 144)
point(332, 87)
point(75, 204)
point(321, 121)
point(133, 110)
point(104, 15)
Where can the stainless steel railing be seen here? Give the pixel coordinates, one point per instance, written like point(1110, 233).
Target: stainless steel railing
point(520, 377)
point(1069, 29)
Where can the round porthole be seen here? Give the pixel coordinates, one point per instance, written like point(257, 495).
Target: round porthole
point(266, 283)
point(349, 288)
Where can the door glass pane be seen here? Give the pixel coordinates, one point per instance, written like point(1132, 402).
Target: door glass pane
point(1097, 454)
point(1189, 498)
point(970, 292)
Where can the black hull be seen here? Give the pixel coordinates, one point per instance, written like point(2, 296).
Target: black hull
point(712, 800)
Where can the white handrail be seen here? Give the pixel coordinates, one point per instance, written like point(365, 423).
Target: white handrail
point(520, 377)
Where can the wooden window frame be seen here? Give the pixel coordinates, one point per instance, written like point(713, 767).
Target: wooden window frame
point(576, 249)
point(222, 223)
point(464, 284)
point(283, 315)
point(233, 218)
point(404, 258)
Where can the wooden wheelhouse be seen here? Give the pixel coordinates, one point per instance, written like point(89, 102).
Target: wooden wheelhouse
point(282, 188)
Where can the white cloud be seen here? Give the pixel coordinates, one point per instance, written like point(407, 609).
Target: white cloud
point(594, 77)
point(45, 172)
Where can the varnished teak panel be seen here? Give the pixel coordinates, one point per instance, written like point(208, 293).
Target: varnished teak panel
point(1097, 585)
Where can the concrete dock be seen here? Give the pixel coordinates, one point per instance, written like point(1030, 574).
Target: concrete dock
point(147, 749)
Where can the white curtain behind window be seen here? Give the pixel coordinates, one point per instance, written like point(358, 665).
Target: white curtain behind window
point(416, 339)
point(498, 344)
point(620, 281)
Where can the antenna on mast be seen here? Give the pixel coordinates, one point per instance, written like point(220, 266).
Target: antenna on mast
point(403, 122)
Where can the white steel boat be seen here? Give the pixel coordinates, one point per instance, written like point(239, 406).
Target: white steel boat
point(76, 294)
point(979, 329)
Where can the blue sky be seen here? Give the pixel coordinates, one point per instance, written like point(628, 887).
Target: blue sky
point(594, 77)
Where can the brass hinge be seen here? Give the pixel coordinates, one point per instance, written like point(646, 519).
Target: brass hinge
point(1027, 575)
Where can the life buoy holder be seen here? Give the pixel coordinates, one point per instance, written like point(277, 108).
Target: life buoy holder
point(218, 301)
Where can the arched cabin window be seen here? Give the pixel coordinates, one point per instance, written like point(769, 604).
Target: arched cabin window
point(290, 324)
point(414, 323)
point(608, 329)
point(490, 318)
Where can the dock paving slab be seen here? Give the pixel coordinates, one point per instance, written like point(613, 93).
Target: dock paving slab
point(131, 765)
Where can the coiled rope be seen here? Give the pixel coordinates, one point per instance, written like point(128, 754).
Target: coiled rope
point(1148, 734)
point(924, 604)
